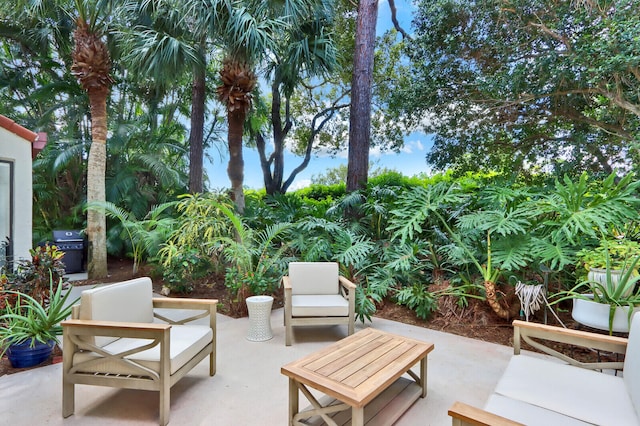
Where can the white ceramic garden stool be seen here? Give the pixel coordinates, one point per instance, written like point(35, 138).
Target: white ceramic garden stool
point(259, 318)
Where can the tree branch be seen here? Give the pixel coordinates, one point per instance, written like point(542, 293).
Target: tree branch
point(394, 19)
point(328, 114)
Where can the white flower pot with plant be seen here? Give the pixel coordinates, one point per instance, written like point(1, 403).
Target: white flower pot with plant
point(611, 256)
point(619, 299)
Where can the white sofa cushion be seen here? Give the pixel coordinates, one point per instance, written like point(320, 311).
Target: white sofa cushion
point(313, 277)
point(575, 392)
point(126, 301)
point(186, 342)
point(631, 372)
point(319, 305)
point(528, 414)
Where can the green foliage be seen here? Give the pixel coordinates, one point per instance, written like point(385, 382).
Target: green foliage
point(580, 75)
point(417, 298)
point(323, 240)
point(623, 291)
point(255, 258)
point(145, 235)
point(183, 267)
point(614, 254)
point(187, 250)
point(34, 277)
point(575, 212)
point(29, 320)
point(418, 207)
point(322, 192)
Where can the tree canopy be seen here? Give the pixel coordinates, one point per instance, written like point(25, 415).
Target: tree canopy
point(542, 82)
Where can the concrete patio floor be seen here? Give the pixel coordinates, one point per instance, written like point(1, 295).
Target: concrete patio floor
point(248, 388)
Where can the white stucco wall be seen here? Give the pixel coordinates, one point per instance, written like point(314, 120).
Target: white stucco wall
point(17, 150)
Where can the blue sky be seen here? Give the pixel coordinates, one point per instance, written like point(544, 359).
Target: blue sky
point(410, 161)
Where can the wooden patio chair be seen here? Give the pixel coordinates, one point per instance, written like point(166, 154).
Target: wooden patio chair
point(116, 339)
point(315, 294)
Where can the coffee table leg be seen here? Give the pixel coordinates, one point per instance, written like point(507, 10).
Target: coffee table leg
point(423, 376)
point(357, 416)
point(293, 400)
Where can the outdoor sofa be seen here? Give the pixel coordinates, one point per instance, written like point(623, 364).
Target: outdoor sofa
point(535, 390)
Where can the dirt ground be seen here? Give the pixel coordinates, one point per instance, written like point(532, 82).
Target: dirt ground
point(477, 321)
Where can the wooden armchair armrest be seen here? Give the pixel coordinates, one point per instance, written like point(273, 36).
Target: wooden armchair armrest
point(207, 307)
point(463, 414)
point(286, 283)
point(346, 283)
point(114, 328)
point(179, 303)
point(534, 333)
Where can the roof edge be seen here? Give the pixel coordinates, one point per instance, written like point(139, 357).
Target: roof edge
point(17, 129)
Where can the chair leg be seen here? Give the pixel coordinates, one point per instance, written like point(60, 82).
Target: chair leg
point(287, 335)
point(165, 402)
point(165, 378)
point(68, 398)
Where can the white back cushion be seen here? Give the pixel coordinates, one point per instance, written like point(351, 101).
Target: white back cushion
point(126, 301)
point(313, 277)
point(631, 372)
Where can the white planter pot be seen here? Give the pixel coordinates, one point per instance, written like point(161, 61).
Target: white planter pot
point(596, 315)
point(600, 276)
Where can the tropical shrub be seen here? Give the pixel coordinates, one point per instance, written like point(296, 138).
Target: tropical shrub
point(34, 277)
point(255, 259)
point(143, 236)
point(201, 222)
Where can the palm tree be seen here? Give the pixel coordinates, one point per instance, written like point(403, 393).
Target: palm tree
point(92, 67)
point(238, 81)
point(306, 51)
point(252, 32)
point(161, 41)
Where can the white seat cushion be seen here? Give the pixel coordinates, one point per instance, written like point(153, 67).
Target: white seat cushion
point(186, 342)
point(631, 372)
point(126, 301)
point(314, 277)
point(319, 305)
point(528, 414)
point(583, 394)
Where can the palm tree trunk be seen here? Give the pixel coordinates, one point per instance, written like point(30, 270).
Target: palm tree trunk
point(96, 169)
point(492, 299)
point(197, 131)
point(235, 169)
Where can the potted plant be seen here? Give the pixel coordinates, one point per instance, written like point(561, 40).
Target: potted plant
point(608, 304)
point(611, 255)
point(30, 328)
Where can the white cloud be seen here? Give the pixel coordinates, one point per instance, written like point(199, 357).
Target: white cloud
point(410, 147)
point(299, 184)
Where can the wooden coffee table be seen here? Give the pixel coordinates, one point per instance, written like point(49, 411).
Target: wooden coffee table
point(362, 373)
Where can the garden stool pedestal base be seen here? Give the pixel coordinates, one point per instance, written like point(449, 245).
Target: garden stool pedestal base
point(259, 318)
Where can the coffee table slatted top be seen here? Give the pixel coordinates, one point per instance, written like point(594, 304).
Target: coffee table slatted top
point(358, 368)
